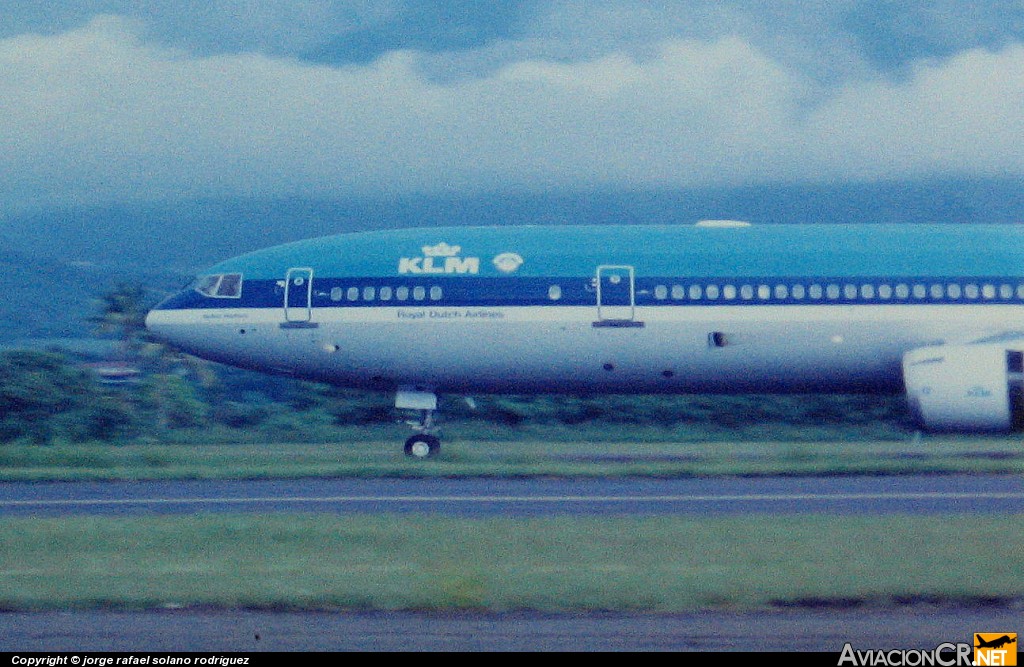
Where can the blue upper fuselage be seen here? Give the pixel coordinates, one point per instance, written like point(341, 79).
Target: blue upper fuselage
point(481, 264)
point(678, 251)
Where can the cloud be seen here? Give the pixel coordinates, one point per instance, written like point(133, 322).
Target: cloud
point(955, 116)
point(100, 113)
point(214, 26)
point(829, 41)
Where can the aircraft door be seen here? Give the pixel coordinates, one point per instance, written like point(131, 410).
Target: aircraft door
point(298, 298)
point(616, 296)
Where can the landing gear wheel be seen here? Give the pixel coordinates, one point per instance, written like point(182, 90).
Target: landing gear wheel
point(422, 446)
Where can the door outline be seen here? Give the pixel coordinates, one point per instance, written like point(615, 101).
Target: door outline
point(298, 298)
point(618, 313)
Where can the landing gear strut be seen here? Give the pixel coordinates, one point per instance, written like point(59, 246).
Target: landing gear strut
point(422, 445)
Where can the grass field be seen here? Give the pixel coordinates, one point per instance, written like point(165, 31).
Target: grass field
point(369, 453)
point(433, 563)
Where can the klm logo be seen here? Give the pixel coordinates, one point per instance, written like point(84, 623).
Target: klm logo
point(441, 258)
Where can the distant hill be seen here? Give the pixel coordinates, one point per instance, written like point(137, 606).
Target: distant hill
point(56, 262)
point(47, 298)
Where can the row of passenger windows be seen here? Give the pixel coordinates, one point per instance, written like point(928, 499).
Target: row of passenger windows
point(730, 292)
point(834, 291)
point(402, 293)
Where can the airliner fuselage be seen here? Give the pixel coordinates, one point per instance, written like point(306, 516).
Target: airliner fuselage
point(713, 307)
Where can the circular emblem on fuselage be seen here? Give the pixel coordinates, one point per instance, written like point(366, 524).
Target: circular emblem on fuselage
point(508, 262)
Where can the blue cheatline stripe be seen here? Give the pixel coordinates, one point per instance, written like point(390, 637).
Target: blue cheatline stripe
point(465, 291)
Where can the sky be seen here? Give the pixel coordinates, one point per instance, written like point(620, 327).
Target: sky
point(109, 101)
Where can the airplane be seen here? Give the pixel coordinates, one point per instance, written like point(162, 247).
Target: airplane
point(719, 306)
point(998, 642)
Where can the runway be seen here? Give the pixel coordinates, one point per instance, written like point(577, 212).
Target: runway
point(826, 629)
point(257, 631)
point(958, 494)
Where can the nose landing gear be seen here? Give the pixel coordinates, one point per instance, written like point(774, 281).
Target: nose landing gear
point(422, 445)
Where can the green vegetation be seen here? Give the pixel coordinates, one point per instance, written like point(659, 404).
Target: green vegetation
point(43, 398)
point(374, 452)
point(48, 398)
point(186, 419)
point(424, 562)
point(122, 313)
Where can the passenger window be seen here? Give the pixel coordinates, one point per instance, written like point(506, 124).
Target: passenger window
point(884, 292)
point(902, 291)
point(435, 293)
point(353, 294)
point(832, 291)
point(660, 292)
point(1005, 292)
point(867, 291)
point(711, 292)
point(798, 291)
point(336, 293)
point(936, 291)
point(695, 292)
point(729, 292)
point(781, 292)
point(419, 293)
point(815, 291)
point(953, 291)
point(971, 291)
point(763, 292)
point(677, 292)
point(988, 291)
point(746, 292)
point(402, 293)
point(369, 293)
point(850, 291)
point(385, 294)
point(919, 291)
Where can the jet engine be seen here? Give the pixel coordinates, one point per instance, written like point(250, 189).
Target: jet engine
point(966, 387)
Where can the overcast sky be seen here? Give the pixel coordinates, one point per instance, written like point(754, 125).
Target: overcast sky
point(111, 101)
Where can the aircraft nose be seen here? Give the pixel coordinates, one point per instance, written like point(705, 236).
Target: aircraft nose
point(150, 322)
point(154, 326)
point(159, 320)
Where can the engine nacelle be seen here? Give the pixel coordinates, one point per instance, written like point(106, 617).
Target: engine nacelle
point(966, 387)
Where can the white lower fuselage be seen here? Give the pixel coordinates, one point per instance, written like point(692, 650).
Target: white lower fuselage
point(680, 349)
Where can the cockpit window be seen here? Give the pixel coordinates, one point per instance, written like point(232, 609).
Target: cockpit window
point(207, 285)
point(220, 286)
point(230, 286)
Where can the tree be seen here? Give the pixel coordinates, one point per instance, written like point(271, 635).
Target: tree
point(43, 397)
point(122, 312)
point(174, 401)
point(168, 387)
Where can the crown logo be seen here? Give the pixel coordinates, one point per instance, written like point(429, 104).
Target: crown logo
point(442, 249)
